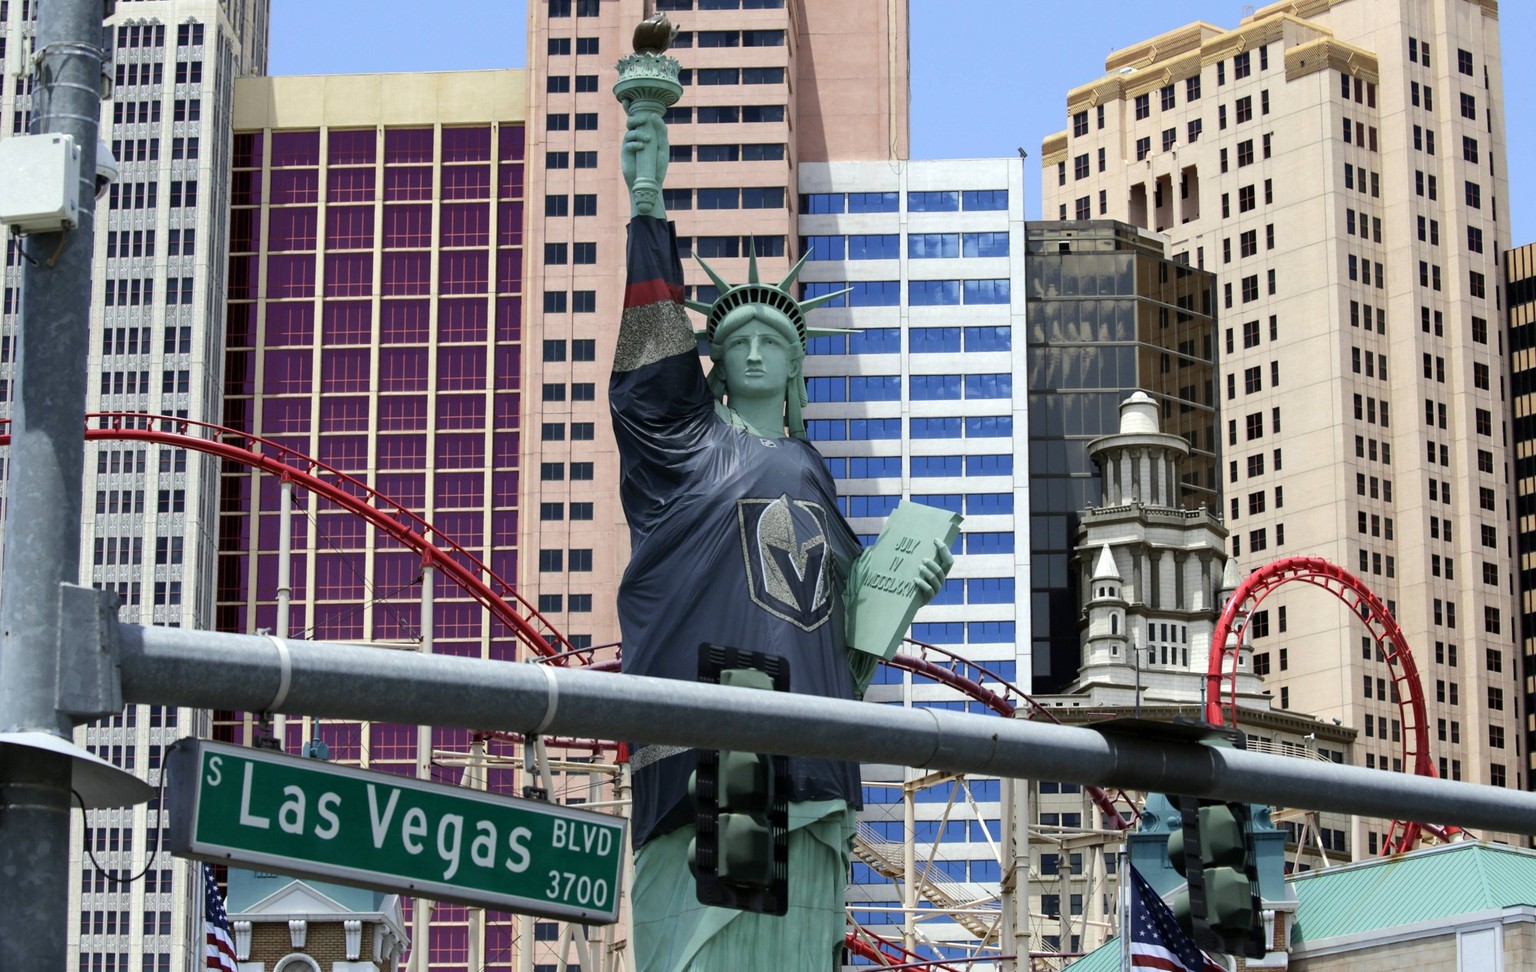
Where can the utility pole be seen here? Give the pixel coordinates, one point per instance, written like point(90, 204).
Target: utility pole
point(52, 674)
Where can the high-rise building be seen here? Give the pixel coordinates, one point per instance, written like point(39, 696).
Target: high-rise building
point(374, 324)
point(149, 525)
point(1520, 305)
point(1109, 313)
point(768, 87)
point(920, 402)
point(375, 282)
point(1339, 164)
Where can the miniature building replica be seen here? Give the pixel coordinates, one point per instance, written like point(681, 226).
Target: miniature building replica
point(283, 924)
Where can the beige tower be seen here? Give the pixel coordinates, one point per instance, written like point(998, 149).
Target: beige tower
point(1340, 165)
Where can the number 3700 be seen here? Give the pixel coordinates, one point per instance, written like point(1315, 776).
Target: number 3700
point(587, 891)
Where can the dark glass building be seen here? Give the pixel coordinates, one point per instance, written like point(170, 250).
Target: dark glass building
point(1108, 314)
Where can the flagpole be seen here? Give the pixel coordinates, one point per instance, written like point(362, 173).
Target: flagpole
point(1123, 901)
point(200, 943)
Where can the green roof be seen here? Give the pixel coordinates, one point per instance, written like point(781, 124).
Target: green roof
point(1429, 885)
point(1105, 958)
point(1441, 882)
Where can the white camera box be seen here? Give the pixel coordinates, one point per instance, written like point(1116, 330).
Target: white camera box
point(39, 183)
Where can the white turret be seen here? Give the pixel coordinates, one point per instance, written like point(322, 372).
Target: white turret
point(1140, 463)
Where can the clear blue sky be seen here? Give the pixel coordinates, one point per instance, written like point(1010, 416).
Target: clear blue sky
point(986, 74)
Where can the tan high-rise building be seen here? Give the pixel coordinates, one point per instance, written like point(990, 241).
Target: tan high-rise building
point(769, 84)
point(1339, 164)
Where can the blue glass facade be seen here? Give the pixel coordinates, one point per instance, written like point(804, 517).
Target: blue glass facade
point(920, 402)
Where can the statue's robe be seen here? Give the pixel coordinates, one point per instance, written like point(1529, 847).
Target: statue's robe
point(736, 538)
point(736, 541)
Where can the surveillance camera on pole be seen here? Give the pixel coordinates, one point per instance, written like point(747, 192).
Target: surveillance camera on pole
point(107, 171)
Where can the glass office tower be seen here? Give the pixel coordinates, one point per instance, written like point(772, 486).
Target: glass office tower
point(1108, 313)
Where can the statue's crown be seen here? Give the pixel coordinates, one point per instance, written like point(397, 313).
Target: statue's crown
point(755, 291)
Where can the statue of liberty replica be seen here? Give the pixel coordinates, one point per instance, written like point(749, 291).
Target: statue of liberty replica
point(737, 541)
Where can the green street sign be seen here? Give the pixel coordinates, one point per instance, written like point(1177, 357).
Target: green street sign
point(309, 818)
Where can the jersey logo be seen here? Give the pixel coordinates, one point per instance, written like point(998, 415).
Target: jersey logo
point(784, 544)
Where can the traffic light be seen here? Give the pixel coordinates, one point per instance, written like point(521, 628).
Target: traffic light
point(740, 851)
point(1221, 910)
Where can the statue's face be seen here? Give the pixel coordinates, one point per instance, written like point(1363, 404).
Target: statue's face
point(758, 362)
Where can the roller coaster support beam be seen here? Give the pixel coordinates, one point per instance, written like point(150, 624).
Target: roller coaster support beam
point(177, 666)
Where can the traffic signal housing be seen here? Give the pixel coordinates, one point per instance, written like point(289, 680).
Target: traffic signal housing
point(740, 851)
point(1213, 849)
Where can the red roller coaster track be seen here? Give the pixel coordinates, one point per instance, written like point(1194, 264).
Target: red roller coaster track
point(1221, 706)
point(351, 494)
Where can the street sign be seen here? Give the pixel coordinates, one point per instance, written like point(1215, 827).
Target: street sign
point(261, 809)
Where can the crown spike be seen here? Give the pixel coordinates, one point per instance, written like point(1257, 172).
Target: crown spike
point(752, 261)
point(817, 301)
point(720, 285)
point(794, 272)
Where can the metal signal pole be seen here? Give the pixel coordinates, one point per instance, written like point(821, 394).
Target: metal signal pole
point(45, 626)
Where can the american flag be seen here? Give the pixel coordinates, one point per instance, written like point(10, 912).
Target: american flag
point(220, 947)
point(1157, 941)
